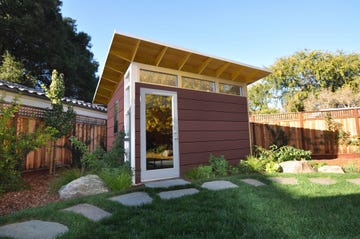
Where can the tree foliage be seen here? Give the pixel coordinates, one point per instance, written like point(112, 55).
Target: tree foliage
point(56, 117)
point(344, 97)
point(14, 146)
point(14, 71)
point(37, 35)
point(306, 72)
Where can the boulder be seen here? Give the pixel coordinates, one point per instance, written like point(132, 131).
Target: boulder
point(83, 186)
point(331, 169)
point(297, 167)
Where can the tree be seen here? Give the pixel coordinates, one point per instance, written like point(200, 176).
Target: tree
point(344, 97)
point(37, 35)
point(260, 99)
point(55, 117)
point(306, 72)
point(14, 71)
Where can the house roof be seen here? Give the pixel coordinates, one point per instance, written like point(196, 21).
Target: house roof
point(125, 49)
point(10, 86)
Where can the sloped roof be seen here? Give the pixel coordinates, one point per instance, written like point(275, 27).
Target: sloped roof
point(10, 86)
point(125, 49)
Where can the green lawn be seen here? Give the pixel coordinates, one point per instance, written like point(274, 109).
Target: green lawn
point(305, 210)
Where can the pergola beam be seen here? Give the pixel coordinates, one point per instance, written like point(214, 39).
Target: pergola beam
point(204, 65)
point(160, 56)
point(135, 50)
point(222, 69)
point(183, 62)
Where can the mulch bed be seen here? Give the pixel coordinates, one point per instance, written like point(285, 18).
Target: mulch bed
point(37, 194)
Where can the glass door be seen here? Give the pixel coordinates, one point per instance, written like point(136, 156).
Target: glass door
point(159, 138)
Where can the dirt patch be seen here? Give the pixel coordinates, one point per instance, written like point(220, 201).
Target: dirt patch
point(37, 194)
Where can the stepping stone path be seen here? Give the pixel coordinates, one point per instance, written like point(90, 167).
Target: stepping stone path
point(167, 183)
point(33, 229)
point(290, 181)
point(133, 199)
point(89, 211)
point(253, 182)
point(177, 193)
point(323, 181)
point(354, 181)
point(218, 185)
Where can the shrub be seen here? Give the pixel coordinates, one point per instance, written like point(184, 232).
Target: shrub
point(115, 156)
point(219, 165)
point(351, 168)
point(14, 146)
point(117, 178)
point(268, 160)
point(89, 160)
point(64, 178)
point(200, 172)
point(244, 166)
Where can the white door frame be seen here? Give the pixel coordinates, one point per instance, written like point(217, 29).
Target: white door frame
point(157, 174)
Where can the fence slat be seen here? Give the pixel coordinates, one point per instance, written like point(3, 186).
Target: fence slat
point(308, 130)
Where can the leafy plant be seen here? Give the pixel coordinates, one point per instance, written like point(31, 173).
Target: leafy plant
point(219, 165)
point(117, 178)
point(115, 156)
point(56, 117)
point(351, 168)
point(268, 160)
point(14, 145)
point(64, 178)
point(89, 160)
point(200, 172)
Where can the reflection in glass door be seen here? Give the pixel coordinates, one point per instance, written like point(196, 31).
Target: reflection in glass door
point(159, 132)
point(159, 137)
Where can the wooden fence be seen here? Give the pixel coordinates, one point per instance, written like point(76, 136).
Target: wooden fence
point(90, 130)
point(310, 131)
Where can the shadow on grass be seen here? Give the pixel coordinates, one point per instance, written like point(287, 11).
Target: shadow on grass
point(305, 210)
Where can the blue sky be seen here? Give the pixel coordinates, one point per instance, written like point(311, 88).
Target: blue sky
point(256, 32)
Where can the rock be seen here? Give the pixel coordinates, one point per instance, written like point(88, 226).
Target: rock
point(331, 169)
point(83, 186)
point(297, 167)
point(167, 153)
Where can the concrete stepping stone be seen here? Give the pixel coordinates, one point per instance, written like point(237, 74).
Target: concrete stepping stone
point(322, 181)
point(253, 182)
point(133, 199)
point(218, 185)
point(89, 211)
point(289, 181)
point(33, 229)
point(354, 181)
point(167, 183)
point(177, 193)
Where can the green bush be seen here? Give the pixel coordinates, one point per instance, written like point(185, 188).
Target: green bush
point(64, 178)
point(89, 160)
point(200, 172)
point(117, 178)
point(219, 165)
point(115, 156)
point(14, 146)
point(351, 168)
point(244, 166)
point(268, 160)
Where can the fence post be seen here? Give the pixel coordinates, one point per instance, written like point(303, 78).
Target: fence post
point(301, 118)
point(356, 118)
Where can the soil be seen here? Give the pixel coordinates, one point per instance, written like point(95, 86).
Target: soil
point(38, 193)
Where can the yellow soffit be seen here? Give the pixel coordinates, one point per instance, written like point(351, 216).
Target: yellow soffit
point(125, 49)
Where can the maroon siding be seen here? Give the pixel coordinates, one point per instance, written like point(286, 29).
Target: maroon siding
point(117, 96)
point(208, 123)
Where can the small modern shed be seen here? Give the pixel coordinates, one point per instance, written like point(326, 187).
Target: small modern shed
point(175, 106)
